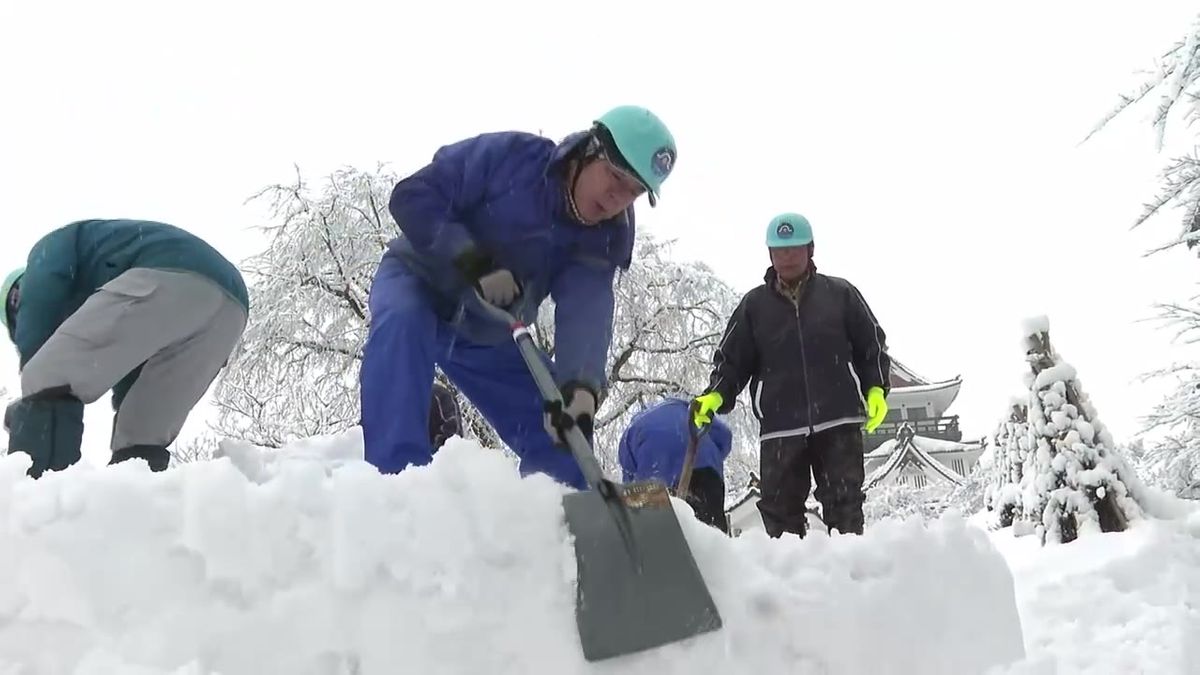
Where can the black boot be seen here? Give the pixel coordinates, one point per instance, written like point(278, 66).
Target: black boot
point(48, 426)
point(156, 456)
point(707, 498)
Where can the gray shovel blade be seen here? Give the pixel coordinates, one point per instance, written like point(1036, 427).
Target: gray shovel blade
point(629, 603)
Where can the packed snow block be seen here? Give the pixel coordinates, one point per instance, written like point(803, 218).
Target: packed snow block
point(260, 464)
point(926, 598)
point(326, 566)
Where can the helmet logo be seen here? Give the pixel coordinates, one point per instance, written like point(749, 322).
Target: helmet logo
point(663, 161)
point(785, 230)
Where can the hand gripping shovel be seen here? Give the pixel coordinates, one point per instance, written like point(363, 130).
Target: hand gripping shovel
point(689, 461)
point(639, 586)
point(689, 455)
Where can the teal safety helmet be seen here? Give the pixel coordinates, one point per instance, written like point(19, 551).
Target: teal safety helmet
point(789, 229)
point(645, 146)
point(5, 291)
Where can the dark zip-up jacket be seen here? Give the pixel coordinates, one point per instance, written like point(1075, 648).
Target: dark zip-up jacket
point(809, 362)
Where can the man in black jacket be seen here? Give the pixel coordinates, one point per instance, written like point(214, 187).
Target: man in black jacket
point(816, 361)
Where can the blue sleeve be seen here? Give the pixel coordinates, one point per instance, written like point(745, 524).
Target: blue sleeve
point(722, 436)
point(583, 316)
point(429, 205)
point(46, 290)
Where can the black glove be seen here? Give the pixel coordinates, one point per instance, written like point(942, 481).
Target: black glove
point(578, 407)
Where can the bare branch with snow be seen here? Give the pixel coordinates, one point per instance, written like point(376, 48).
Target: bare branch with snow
point(1176, 79)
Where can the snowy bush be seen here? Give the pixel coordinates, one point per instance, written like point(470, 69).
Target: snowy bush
point(1172, 460)
point(899, 500)
point(1172, 463)
point(970, 497)
point(1072, 481)
point(1012, 444)
point(194, 449)
point(902, 501)
point(296, 374)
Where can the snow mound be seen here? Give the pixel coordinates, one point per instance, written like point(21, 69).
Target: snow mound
point(324, 567)
point(1116, 603)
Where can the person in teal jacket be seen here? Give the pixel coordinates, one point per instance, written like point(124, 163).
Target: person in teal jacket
point(141, 308)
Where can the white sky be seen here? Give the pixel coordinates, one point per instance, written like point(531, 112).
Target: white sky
point(934, 146)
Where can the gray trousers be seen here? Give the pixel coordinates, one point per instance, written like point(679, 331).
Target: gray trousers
point(179, 327)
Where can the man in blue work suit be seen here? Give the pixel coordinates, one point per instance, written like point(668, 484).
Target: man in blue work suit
point(653, 448)
point(512, 218)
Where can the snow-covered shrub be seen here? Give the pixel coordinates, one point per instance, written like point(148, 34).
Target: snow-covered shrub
point(1012, 445)
point(1072, 482)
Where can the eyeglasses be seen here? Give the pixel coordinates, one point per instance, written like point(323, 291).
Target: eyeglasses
point(607, 150)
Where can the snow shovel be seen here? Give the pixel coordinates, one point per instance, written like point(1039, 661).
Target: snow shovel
point(689, 455)
point(638, 585)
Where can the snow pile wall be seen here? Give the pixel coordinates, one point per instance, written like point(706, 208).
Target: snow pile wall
point(326, 567)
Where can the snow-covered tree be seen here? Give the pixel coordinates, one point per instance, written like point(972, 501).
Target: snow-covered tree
point(1073, 482)
point(1174, 82)
point(1012, 446)
point(297, 372)
point(1172, 462)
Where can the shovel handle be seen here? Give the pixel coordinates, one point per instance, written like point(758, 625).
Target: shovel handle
point(575, 439)
point(581, 450)
point(689, 456)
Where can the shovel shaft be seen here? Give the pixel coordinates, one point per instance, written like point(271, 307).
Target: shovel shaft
point(581, 450)
point(577, 443)
point(623, 605)
point(545, 384)
point(689, 456)
point(689, 461)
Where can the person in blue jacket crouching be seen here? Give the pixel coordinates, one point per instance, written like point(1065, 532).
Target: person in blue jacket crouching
point(507, 218)
point(653, 448)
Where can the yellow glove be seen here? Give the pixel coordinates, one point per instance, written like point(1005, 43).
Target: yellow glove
point(704, 406)
point(876, 408)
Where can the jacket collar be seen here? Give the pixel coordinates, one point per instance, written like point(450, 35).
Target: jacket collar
point(565, 147)
point(771, 278)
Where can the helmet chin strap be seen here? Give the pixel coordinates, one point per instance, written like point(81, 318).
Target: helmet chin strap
point(591, 152)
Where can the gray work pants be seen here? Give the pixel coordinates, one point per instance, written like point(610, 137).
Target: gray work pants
point(179, 327)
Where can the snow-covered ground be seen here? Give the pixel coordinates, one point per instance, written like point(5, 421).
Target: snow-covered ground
point(1124, 602)
point(308, 562)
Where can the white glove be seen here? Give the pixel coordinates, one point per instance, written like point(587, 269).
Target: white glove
point(579, 408)
point(499, 288)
